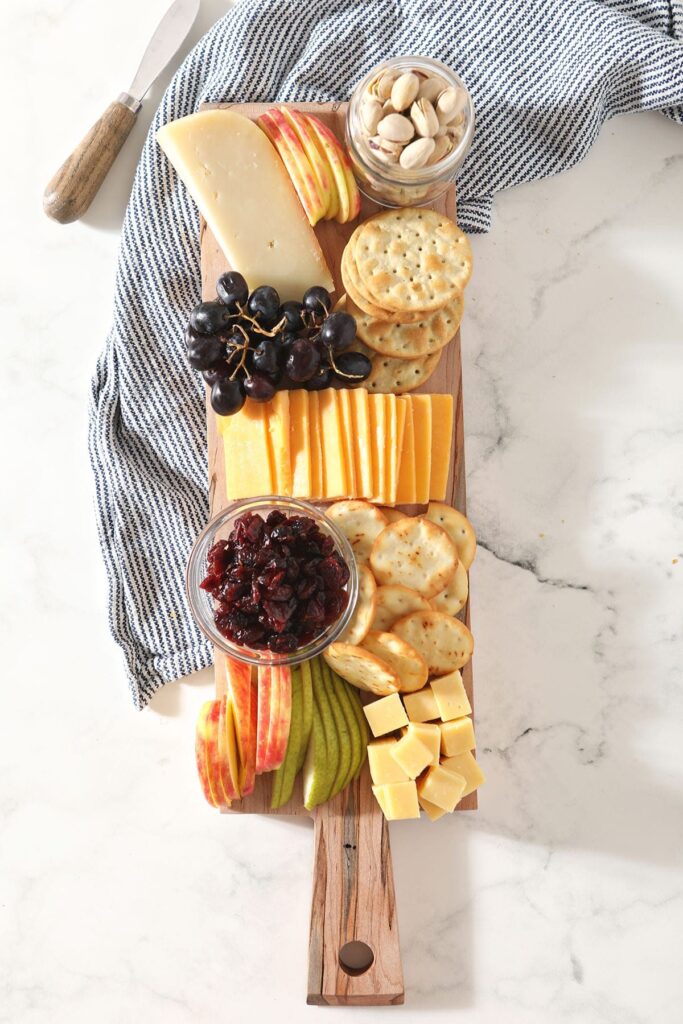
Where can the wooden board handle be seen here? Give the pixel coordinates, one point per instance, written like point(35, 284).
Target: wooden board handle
point(76, 183)
point(353, 901)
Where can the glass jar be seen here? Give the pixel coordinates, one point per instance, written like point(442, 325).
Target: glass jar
point(390, 184)
point(202, 605)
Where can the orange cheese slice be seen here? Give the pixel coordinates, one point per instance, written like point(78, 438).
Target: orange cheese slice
point(277, 415)
point(442, 443)
point(344, 399)
point(401, 410)
point(300, 443)
point(422, 428)
point(391, 450)
point(405, 488)
point(378, 433)
point(362, 442)
point(248, 466)
point(317, 489)
point(334, 459)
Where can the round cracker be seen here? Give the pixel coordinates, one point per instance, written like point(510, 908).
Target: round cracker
point(458, 527)
point(445, 643)
point(395, 601)
point(412, 259)
point(416, 553)
point(454, 598)
point(387, 317)
point(410, 666)
point(411, 340)
point(364, 612)
point(360, 522)
point(362, 669)
point(396, 376)
point(392, 514)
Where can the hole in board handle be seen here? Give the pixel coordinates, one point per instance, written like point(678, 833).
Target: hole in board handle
point(356, 958)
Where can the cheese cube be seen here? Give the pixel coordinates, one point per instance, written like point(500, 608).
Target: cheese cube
point(451, 698)
point(242, 188)
point(334, 460)
point(383, 767)
point(422, 429)
point(467, 766)
point(432, 811)
point(385, 715)
point(441, 787)
point(362, 442)
point(398, 800)
point(405, 488)
point(300, 443)
point(442, 443)
point(421, 705)
point(411, 754)
point(378, 793)
point(457, 736)
point(428, 734)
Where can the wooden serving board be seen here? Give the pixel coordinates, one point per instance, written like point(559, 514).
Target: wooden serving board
point(353, 890)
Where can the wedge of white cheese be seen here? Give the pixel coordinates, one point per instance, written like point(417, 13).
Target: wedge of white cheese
point(244, 192)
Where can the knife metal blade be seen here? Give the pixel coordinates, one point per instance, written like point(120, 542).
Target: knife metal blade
point(164, 44)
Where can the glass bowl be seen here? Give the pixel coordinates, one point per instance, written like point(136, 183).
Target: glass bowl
point(390, 184)
point(202, 605)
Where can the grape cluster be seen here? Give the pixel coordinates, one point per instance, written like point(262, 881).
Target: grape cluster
point(249, 345)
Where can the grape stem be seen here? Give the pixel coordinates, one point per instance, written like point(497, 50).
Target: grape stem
point(244, 348)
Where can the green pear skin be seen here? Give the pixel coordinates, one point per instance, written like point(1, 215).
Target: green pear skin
point(322, 756)
point(284, 776)
point(342, 729)
point(307, 710)
point(363, 724)
point(355, 739)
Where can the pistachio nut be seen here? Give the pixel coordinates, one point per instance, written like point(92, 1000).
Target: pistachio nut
point(396, 128)
point(417, 154)
point(388, 108)
point(404, 90)
point(387, 152)
point(431, 88)
point(443, 145)
point(371, 114)
point(450, 103)
point(423, 116)
point(385, 84)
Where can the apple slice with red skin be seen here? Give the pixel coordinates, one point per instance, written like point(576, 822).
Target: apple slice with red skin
point(294, 157)
point(227, 764)
point(320, 167)
point(272, 718)
point(263, 717)
point(242, 693)
point(333, 154)
point(201, 753)
point(247, 785)
point(280, 725)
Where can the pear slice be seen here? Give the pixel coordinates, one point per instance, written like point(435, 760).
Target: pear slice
point(322, 754)
point(306, 710)
point(342, 729)
point(341, 686)
point(357, 705)
point(284, 776)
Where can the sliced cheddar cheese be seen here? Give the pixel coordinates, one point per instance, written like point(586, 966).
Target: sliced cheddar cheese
point(422, 429)
point(277, 415)
point(442, 443)
point(300, 443)
point(344, 399)
point(334, 459)
point(405, 489)
point(242, 188)
point(317, 489)
point(362, 442)
point(246, 446)
point(401, 407)
point(378, 433)
point(391, 450)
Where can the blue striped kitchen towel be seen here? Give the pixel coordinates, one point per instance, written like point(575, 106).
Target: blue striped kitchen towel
point(545, 75)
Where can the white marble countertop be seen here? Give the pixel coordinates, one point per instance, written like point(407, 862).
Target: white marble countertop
point(122, 897)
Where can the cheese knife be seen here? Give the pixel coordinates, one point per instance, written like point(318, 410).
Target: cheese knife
point(76, 183)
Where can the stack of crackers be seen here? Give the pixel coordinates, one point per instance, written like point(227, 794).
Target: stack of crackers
point(404, 272)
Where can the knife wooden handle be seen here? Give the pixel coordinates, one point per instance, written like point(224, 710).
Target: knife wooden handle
point(76, 183)
point(353, 901)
